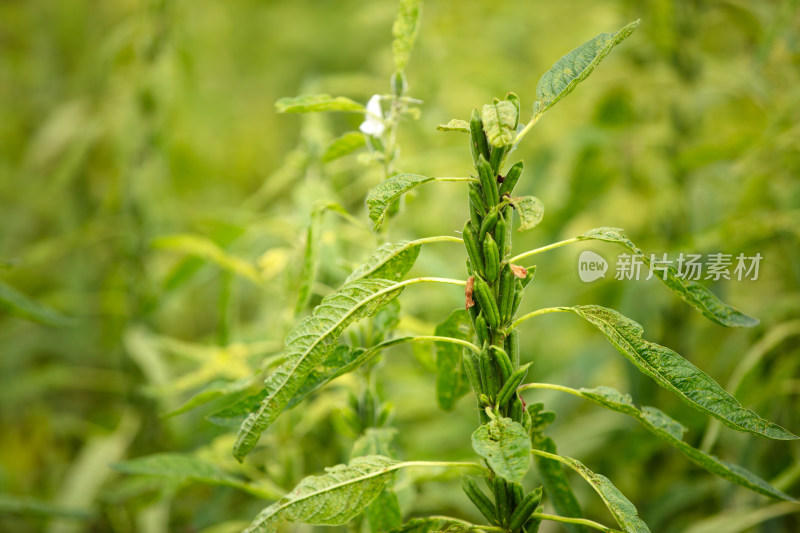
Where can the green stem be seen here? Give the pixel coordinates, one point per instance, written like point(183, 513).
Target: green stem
point(439, 238)
point(433, 338)
point(527, 128)
point(446, 464)
point(544, 249)
point(550, 386)
point(471, 180)
point(532, 314)
point(577, 521)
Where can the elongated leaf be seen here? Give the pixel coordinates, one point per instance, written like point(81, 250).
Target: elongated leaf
point(422, 525)
point(391, 261)
point(404, 31)
point(309, 103)
point(556, 485)
point(676, 374)
point(344, 145)
point(451, 383)
point(384, 513)
point(236, 413)
point(506, 447)
point(17, 303)
point(212, 391)
point(307, 345)
point(339, 362)
point(499, 123)
point(333, 498)
point(690, 291)
point(623, 510)
point(187, 468)
point(671, 431)
point(207, 249)
point(308, 273)
point(11, 504)
point(573, 68)
point(454, 125)
point(530, 210)
point(383, 195)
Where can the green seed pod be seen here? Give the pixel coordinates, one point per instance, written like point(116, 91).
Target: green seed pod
point(501, 499)
point(512, 177)
point(491, 257)
point(472, 368)
point(483, 295)
point(503, 362)
point(515, 410)
point(471, 244)
point(525, 509)
point(481, 330)
point(497, 157)
point(519, 292)
point(511, 346)
point(488, 224)
point(479, 499)
point(501, 235)
point(517, 494)
point(488, 182)
point(478, 144)
point(505, 294)
point(489, 374)
point(476, 199)
point(509, 389)
point(508, 213)
point(475, 216)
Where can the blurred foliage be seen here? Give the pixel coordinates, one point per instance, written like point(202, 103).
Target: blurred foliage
point(155, 209)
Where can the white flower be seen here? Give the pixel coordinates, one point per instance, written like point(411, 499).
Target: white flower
point(373, 125)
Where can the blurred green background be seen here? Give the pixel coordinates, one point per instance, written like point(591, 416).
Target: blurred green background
point(155, 208)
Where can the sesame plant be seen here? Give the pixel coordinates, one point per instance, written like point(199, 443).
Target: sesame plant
point(478, 350)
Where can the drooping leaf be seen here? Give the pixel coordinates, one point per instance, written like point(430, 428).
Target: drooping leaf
point(556, 485)
point(454, 125)
point(623, 510)
point(188, 468)
point(212, 391)
point(207, 249)
point(530, 210)
point(676, 374)
point(506, 447)
point(387, 192)
point(333, 498)
point(573, 68)
point(308, 103)
point(422, 525)
point(499, 123)
point(344, 145)
point(391, 261)
point(340, 361)
point(451, 383)
point(307, 345)
point(404, 31)
point(234, 414)
point(671, 431)
point(690, 291)
point(18, 304)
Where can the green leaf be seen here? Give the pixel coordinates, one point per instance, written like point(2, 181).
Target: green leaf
point(390, 261)
point(384, 513)
point(212, 391)
point(344, 145)
point(557, 486)
point(383, 195)
point(17, 303)
point(499, 123)
point(307, 345)
point(623, 510)
point(374, 441)
point(573, 68)
point(451, 383)
point(422, 525)
point(207, 249)
point(530, 210)
point(187, 468)
point(691, 292)
point(454, 125)
point(11, 504)
point(672, 431)
point(309, 103)
point(404, 31)
point(506, 447)
point(676, 374)
point(340, 361)
point(333, 498)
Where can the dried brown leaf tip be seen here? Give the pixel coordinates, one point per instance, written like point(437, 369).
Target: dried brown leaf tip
point(519, 271)
point(468, 292)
